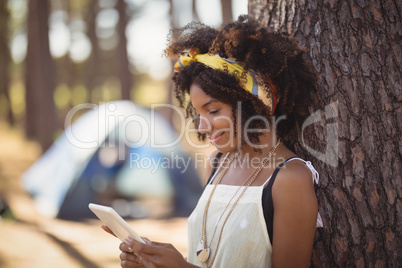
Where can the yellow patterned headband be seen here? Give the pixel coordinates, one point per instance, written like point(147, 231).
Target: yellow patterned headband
point(248, 79)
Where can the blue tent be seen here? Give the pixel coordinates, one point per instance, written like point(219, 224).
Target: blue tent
point(117, 154)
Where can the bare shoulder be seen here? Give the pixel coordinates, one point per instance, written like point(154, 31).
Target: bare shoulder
point(294, 179)
point(295, 171)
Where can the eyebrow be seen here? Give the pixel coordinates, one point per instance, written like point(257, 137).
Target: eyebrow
point(208, 103)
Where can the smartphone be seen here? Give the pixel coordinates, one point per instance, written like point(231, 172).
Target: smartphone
point(115, 222)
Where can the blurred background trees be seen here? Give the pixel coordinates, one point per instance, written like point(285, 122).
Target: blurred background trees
point(5, 62)
point(56, 54)
point(40, 119)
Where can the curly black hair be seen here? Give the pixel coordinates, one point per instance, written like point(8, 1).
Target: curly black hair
point(276, 57)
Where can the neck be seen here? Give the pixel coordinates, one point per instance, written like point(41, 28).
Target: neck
point(267, 141)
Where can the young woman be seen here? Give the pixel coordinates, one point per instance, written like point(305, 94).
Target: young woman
point(248, 90)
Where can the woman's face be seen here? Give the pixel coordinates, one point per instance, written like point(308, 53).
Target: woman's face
point(216, 119)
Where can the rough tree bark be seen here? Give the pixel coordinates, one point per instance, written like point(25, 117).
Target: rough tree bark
point(124, 73)
point(355, 47)
point(41, 118)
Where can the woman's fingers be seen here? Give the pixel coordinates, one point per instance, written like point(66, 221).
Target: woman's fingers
point(136, 246)
point(129, 260)
point(129, 256)
point(125, 256)
point(153, 254)
point(106, 229)
point(146, 240)
point(130, 264)
point(148, 253)
point(165, 245)
point(125, 247)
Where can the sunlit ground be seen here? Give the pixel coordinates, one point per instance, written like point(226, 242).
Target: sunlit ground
point(29, 240)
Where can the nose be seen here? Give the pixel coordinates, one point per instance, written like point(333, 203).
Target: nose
point(204, 125)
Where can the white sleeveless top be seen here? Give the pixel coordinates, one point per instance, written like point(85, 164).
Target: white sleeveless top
point(245, 241)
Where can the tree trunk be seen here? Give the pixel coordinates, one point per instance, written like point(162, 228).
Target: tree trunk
point(194, 11)
point(227, 14)
point(39, 76)
point(5, 59)
point(355, 47)
point(124, 71)
point(70, 74)
point(168, 113)
point(93, 76)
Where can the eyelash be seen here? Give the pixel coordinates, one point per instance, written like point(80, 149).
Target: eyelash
point(197, 117)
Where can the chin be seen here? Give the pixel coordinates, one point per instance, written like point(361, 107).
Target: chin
point(225, 144)
point(226, 149)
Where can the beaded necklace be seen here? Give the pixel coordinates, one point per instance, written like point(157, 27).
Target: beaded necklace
point(203, 251)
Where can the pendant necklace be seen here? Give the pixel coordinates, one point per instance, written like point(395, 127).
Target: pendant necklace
point(203, 251)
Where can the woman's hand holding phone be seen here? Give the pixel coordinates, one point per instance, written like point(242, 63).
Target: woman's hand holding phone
point(127, 257)
point(151, 254)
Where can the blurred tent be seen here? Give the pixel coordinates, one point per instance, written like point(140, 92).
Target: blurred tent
point(117, 154)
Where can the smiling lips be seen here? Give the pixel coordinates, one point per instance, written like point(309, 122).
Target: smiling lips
point(214, 140)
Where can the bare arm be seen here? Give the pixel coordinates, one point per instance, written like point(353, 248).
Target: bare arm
point(295, 216)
